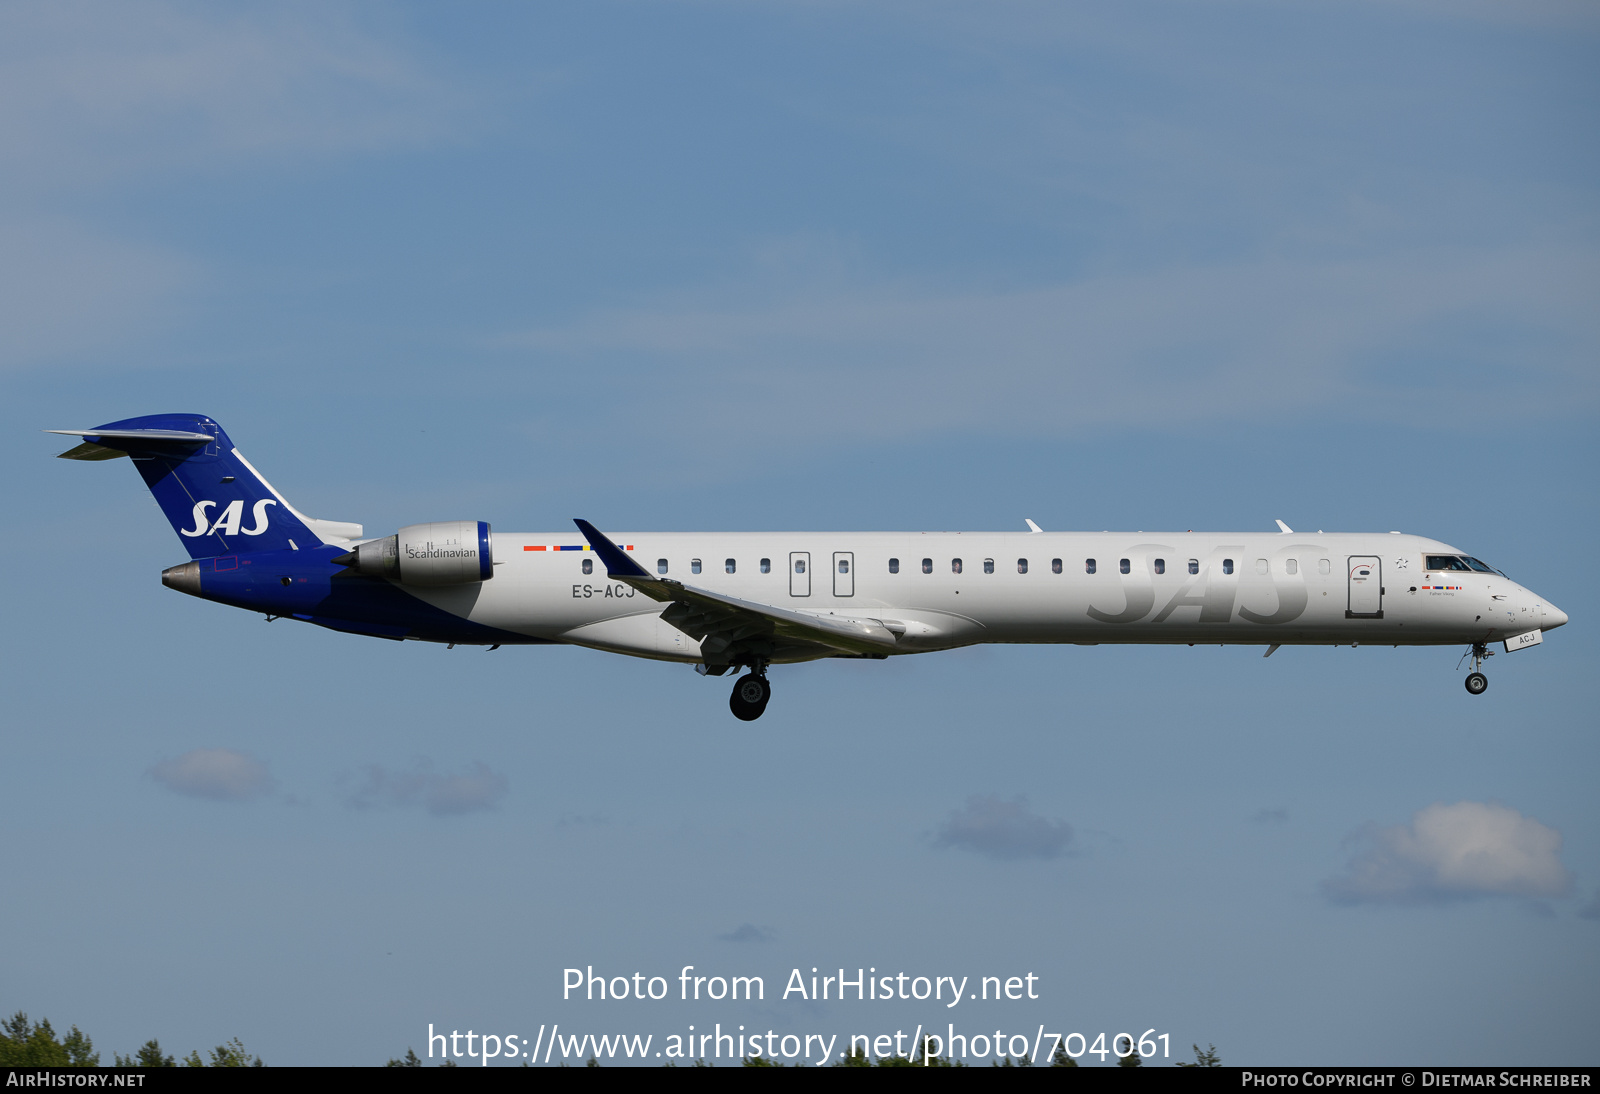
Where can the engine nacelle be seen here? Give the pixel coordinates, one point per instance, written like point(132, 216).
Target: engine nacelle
point(446, 552)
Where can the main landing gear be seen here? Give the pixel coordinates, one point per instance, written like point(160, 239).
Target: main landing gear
point(1477, 682)
point(750, 695)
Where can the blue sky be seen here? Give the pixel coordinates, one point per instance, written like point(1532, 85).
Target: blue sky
point(721, 265)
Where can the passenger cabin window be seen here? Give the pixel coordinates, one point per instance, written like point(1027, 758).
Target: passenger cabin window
point(894, 565)
point(927, 565)
point(1161, 565)
point(1022, 565)
point(766, 565)
point(1055, 565)
point(729, 565)
point(1324, 566)
point(1227, 565)
point(988, 565)
point(1194, 565)
point(1123, 566)
point(588, 565)
point(844, 565)
point(955, 565)
point(799, 565)
point(694, 565)
point(1292, 566)
point(661, 565)
point(1088, 565)
point(1261, 565)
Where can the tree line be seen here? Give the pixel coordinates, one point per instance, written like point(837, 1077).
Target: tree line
point(36, 1044)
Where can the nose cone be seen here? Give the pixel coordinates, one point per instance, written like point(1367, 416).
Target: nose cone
point(1554, 617)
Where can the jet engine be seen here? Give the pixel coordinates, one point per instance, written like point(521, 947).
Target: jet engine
point(448, 552)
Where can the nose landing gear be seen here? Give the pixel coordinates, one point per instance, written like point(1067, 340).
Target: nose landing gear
point(750, 695)
point(1477, 682)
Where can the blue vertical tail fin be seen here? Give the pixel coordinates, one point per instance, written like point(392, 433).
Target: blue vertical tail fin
point(217, 502)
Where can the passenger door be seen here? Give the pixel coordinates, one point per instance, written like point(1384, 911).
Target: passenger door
point(1366, 588)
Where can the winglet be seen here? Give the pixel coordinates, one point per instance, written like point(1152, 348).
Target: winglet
point(1032, 527)
point(618, 564)
point(1285, 529)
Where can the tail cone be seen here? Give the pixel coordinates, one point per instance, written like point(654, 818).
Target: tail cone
point(185, 578)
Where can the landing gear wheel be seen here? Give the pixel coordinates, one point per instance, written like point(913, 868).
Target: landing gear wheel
point(749, 698)
point(1477, 683)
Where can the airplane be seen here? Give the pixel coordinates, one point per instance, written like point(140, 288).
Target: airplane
point(724, 601)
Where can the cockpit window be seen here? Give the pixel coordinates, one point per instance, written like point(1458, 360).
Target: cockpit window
point(1459, 562)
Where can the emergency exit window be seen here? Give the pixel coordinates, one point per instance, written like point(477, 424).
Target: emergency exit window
point(661, 565)
point(694, 565)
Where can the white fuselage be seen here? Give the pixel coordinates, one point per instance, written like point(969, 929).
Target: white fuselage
point(949, 589)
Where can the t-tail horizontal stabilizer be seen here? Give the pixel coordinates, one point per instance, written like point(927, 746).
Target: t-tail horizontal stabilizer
point(125, 439)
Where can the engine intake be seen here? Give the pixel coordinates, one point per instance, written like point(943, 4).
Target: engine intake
point(448, 552)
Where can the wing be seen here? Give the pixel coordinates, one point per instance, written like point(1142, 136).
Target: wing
point(729, 627)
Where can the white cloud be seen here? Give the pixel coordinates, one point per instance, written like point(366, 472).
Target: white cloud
point(1384, 339)
point(469, 791)
point(65, 290)
point(89, 91)
point(94, 95)
point(1005, 830)
point(220, 774)
point(1468, 849)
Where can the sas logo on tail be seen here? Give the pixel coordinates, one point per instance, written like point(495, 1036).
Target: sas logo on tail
point(227, 521)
